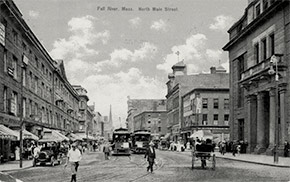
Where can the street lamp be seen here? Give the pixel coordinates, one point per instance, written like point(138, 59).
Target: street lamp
point(274, 60)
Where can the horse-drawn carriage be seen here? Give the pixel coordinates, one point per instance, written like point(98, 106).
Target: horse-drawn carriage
point(203, 152)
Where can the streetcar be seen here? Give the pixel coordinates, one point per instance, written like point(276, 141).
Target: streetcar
point(121, 142)
point(140, 141)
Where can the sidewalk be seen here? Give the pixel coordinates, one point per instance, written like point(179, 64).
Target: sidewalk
point(253, 158)
point(14, 165)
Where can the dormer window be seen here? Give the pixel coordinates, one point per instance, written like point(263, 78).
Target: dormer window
point(258, 9)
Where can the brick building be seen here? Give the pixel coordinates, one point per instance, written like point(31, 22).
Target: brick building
point(154, 121)
point(32, 84)
point(180, 84)
point(136, 106)
point(262, 32)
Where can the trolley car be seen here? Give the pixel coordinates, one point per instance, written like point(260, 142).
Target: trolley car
point(203, 153)
point(121, 142)
point(140, 141)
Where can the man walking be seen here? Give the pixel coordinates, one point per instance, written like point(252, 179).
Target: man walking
point(150, 154)
point(106, 151)
point(73, 157)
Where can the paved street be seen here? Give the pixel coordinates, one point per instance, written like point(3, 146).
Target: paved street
point(172, 166)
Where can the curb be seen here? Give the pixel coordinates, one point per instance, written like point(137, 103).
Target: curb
point(254, 162)
point(12, 170)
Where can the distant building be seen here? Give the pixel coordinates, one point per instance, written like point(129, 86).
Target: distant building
point(136, 106)
point(154, 121)
point(108, 126)
point(206, 109)
point(180, 84)
point(263, 31)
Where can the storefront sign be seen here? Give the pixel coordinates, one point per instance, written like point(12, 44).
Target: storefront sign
point(2, 34)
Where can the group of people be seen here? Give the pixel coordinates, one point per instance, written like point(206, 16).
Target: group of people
point(235, 147)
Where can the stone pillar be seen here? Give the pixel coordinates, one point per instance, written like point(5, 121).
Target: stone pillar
point(272, 123)
point(260, 148)
point(282, 128)
point(251, 123)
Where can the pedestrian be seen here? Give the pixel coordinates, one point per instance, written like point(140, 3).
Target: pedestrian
point(286, 148)
point(234, 148)
point(36, 151)
point(73, 157)
point(106, 150)
point(150, 155)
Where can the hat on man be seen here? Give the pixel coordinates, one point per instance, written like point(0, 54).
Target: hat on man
point(151, 143)
point(74, 145)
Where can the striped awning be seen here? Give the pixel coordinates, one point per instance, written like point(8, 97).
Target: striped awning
point(26, 135)
point(7, 133)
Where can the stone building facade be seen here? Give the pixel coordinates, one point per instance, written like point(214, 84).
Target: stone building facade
point(154, 121)
point(259, 108)
point(33, 86)
point(136, 106)
point(179, 84)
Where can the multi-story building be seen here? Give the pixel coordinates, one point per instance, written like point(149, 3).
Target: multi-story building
point(259, 85)
point(136, 106)
point(179, 84)
point(206, 108)
point(34, 90)
point(154, 121)
point(86, 113)
point(27, 79)
point(98, 120)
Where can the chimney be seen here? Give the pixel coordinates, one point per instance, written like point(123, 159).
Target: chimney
point(212, 70)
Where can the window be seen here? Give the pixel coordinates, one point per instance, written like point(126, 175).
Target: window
point(24, 76)
point(36, 62)
point(204, 119)
point(215, 119)
point(42, 114)
point(14, 103)
point(226, 103)
point(15, 37)
point(258, 9)
point(226, 119)
point(42, 69)
point(36, 84)
point(24, 107)
point(272, 44)
point(30, 108)
point(149, 121)
point(14, 66)
point(36, 109)
point(159, 129)
point(30, 80)
point(204, 103)
point(5, 98)
point(240, 97)
point(265, 4)
point(5, 60)
point(256, 49)
point(264, 49)
point(215, 103)
point(24, 46)
point(241, 66)
point(241, 129)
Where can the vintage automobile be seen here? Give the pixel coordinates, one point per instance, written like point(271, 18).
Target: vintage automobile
point(49, 154)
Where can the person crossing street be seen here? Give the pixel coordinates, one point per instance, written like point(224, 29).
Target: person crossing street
point(150, 154)
point(73, 157)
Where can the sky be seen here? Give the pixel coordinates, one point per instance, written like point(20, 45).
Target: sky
point(121, 48)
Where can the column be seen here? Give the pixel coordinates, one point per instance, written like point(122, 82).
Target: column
point(251, 123)
point(283, 127)
point(272, 123)
point(260, 148)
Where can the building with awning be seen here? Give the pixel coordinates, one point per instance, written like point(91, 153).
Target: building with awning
point(53, 136)
point(26, 135)
point(4, 136)
point(73, 137)
point(8, 132)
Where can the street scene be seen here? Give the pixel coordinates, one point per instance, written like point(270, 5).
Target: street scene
point(192, 90)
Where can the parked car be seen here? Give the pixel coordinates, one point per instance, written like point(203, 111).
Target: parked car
point(50, 155)
point(8, 178)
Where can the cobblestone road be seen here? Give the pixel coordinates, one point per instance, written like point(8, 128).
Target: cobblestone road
point(172, 166)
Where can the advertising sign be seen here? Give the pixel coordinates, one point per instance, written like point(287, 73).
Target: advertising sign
point(2, 34)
